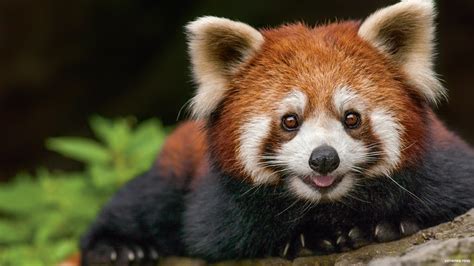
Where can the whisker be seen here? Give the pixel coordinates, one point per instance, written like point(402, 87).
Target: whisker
point(182, 108)
point(287, 208)
point(350, 195)
point(409, 192)
point(249, 190)
point(308, 205)
point(409, 146)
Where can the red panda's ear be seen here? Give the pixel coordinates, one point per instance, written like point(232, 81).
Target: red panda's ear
point(405, 32)
point(217, 47)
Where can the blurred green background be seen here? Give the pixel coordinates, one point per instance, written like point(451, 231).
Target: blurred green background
point(64, 62)
point(43, 215)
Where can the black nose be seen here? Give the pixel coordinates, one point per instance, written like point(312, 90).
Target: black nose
point(324, 159)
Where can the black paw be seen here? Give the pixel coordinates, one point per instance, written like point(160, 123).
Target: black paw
point(359, 236)
point(341, 240)
point(387, 231)
point(295, 247)
point(106, 254)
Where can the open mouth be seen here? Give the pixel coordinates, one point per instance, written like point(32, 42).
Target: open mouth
point(322, 183)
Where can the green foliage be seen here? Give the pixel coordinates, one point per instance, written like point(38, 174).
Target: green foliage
point(43, 216)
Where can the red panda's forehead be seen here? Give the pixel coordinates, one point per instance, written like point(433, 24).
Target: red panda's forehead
point(317, 61)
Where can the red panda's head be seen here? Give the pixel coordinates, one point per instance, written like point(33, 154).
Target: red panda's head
point(320, 108)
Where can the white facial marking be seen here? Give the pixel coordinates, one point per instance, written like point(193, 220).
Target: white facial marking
point(344, 98)
point(295, 101)
point(253, 133)
point(320, 129)
point(342, 188)
point(300, 188)
point(314, 132)
point(388, 130)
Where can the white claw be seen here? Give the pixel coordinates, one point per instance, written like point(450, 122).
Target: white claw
point(113, 256)
point(285, 250)
point(131, 256)
point(377, 230)
point(302, 240)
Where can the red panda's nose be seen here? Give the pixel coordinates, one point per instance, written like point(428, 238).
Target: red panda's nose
point(324, 159)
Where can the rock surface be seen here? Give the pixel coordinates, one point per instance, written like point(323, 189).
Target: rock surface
point(451, 242)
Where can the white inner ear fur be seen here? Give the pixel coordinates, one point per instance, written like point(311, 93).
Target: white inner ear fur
point(405, 32)
point(217, 47)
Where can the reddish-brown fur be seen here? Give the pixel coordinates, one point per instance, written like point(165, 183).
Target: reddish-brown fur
point(184, 155)
point(316, 60)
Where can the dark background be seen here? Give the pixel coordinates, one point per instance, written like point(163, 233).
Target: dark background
point(62, 61)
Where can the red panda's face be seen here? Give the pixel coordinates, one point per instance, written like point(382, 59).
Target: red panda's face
point(316, 110)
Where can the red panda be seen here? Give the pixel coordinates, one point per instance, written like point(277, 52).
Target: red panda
point(319, 138)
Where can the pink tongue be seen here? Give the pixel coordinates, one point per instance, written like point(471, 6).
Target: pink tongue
point(323, 181)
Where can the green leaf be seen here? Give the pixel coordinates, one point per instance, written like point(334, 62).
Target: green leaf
point(19, 197)
point(145, 143)
point(150, 130)
point(43, 216)
point(50, 227)
point(21, 255)
point(81, 149)
point(103, 177)
point(118, 141)
point(102, 128)
point(114, 133)
point(63, 249)
point(12, 231)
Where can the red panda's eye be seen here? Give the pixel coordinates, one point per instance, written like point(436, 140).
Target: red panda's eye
point(352, 120)
point(290, 122)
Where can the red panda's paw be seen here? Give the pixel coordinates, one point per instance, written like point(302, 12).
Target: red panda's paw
point(359, 236)
point(386, 231)
point(105, 254)
point(341, 242)
point(295, 247)
point(381, 232)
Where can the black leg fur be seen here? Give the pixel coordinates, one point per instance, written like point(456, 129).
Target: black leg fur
point(141, 221)
point(226, 218)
